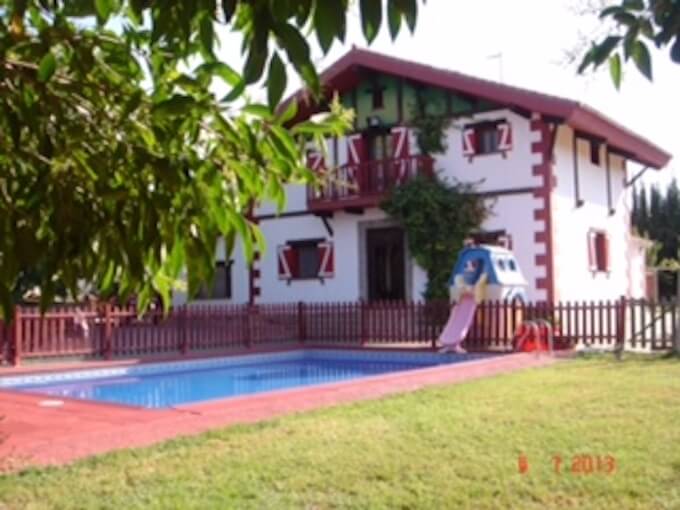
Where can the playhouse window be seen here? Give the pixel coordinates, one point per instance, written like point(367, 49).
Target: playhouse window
point(220, 287)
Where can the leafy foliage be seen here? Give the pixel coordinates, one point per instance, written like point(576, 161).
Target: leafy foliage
point(119, 165)
point(438, 216)
point(430, 129)
point(639, 23)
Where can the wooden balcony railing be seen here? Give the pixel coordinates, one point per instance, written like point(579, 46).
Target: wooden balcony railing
point(365, 184)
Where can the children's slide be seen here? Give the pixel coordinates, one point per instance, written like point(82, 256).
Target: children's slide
point(458, 324)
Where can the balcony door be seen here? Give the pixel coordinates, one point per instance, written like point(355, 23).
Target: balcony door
point(386, 265)
point(379, 144)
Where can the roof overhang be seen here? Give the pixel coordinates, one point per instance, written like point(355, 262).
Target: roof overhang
point(346, 73)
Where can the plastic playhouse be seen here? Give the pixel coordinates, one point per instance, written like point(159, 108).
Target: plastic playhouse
point(490, 273)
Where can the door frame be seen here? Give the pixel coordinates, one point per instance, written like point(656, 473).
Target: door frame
point(365, 226)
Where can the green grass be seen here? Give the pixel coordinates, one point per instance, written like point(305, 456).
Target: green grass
point(447, 447)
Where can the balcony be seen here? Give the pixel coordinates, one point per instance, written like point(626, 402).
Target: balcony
point(363, 185)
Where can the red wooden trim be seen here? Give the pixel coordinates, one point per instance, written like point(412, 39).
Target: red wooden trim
point(544, 169)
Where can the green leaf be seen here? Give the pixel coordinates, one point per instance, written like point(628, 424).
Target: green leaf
point(276, 83)
point(222, 70)
point(228, 8)
point(604, 50)
point(615, 70)
point(258, 110)
point(104, 9)
point(294, 43)
point(329, 22)
point(288, 112)
point(675, 51)
point(206, 34)
point(393, 18)
point(254, 66)
point(634, 5)
point(47, 66)
point(410, 10)
point(371, 18)
point(642, 59)
point(177, 105)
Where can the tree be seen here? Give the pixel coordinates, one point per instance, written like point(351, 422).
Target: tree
point(638, 23)
point(643, 213)
point(437, 216)
point(119, 164)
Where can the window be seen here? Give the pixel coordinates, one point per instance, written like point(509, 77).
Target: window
point(598, 251)
point(379, 146)
point(490, 137)
point(378, 98)
point(305, 259)
point(308, 260)
point(221, 284)
point(595, 152)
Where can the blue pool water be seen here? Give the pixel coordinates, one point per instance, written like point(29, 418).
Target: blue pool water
point(170, 384)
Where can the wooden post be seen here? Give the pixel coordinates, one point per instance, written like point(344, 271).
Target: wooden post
point(621, 327)
point(302, 333)
point(108, 331)
point(676, 326)
point(184, 344)
point(16, 336)
point(249, 334)
point(363, 321)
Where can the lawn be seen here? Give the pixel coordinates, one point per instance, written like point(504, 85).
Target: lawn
point(447, 447)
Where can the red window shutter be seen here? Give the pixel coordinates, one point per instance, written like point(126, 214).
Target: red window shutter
point(504, 136)
point(592, 250)
point(605, 250)
point(401, 145)
point(326, 260)
point(356, 149)
point(469, 142)
point(288, 262)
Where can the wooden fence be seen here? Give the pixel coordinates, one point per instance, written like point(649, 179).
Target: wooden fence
point(106, 331)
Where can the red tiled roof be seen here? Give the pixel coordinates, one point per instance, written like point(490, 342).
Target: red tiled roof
point(343, 75)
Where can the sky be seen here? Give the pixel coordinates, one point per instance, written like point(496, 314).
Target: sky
point(533, 37)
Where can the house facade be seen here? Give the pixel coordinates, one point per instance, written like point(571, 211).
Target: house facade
point(553, 172)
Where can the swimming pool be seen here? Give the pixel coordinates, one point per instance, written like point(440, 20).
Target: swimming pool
point(169, 384)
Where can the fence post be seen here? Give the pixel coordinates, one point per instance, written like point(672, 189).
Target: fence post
point(363, 322)
point(621, 327)
point(183, 344)
point(16, 337)
point(108, 331)
point(248, 330)
point(302, 333)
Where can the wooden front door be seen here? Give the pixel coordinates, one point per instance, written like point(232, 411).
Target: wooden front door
point(386, 266)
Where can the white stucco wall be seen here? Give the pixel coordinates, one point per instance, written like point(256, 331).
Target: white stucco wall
point(515, 214)
point(573, 278)
point(493, 171)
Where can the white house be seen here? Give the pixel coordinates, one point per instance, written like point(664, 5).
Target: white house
point(553, 170)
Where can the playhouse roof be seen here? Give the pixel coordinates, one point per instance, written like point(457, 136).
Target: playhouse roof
point(345, 74)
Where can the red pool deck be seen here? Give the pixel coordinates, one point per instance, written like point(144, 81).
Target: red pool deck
point(38, 435)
